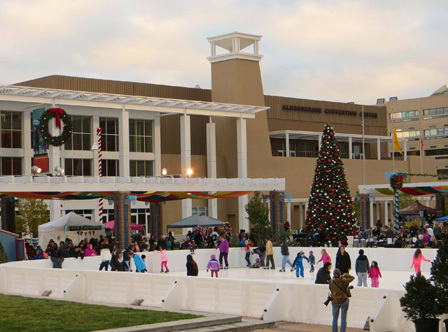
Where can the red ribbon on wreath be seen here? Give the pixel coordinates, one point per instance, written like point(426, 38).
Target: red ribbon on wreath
point(58, 112)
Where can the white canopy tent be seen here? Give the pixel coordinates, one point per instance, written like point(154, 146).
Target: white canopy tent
point(72, 225)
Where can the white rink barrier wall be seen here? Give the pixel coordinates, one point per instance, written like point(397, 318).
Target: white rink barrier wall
point(389, 259)
point(80, 280)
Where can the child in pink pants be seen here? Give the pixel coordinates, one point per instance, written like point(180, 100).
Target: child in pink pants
point(164, 258)
point(375, 274)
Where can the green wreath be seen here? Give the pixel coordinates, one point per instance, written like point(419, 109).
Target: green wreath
point(59, 114)
point(396, 181)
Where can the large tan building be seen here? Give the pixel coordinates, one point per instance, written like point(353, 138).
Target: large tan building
point(281, 141)
point(422, 126)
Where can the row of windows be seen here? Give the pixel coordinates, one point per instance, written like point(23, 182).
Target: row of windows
point(439, 131)
point(140, 133)
point(110, 167)
point(311, 149)
point(410, 133)
point(406, 114)
point(83, 167)
point(435, 111)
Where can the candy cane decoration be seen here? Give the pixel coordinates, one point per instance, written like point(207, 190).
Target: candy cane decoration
point(100, 171)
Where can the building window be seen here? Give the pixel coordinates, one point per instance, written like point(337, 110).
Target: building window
point(78, 167)
point(11, 166)
point(81, 138)
point(436, 152)
point(436, 111)
point(343, 150)
point(410, 133)
point(282, 149)
point(406, 114)
point(142, 168)
point(109, 136)
point(199, 211)
point(140, 135)
point(111, 167)
point(305, 149)
point(439, 131)
point(11, 129)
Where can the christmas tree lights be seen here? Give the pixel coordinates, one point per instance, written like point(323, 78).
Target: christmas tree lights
point(330, 207)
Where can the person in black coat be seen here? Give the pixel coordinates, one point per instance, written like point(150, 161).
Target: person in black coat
point(117, 262)
point(192, 267)
point(324, 274)
point(343, 262)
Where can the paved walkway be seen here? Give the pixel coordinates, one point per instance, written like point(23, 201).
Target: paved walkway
point(296, 327)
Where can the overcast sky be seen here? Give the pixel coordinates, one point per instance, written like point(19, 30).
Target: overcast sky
point(328, 50)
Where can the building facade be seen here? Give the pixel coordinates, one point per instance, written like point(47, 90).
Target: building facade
point(278, 140)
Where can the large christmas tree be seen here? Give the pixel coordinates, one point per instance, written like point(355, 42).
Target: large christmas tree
point(330, 206)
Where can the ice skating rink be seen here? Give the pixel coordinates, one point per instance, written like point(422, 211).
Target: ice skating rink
point(253, 292)
point(391, 280)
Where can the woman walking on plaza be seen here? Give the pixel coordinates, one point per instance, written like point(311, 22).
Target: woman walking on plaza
point(325, 257)
point(417, 261)
point(343, 262)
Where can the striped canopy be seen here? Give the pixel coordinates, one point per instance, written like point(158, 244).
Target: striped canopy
point(416, 191)
point(148, 196)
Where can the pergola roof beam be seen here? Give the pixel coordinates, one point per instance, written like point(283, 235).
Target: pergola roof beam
point(162, 105)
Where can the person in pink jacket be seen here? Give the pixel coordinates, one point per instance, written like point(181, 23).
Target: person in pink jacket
point(164, 258)
point(375, 274)
point(325, 257)
point(417, 260)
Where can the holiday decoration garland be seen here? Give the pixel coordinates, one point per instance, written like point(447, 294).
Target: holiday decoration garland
point(59, 114)
point(396, 181)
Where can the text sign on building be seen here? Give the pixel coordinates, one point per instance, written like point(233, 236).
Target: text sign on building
point(327, 111)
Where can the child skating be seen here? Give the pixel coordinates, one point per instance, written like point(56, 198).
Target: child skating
point(213, 266)
point(191, 246)
point(312, 261)
point(375, 274)
point(298, 262)
point(417, 261)
point(164, 258)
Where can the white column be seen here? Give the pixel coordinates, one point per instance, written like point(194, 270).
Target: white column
point(319, 141)
point(242, 171)
point(301, 219)
point(123, 142)
point(287, 144)
point(288, 211)
point(378, 148)
point(185, 157)
point(211, 166)
point(157, 147)
point(386, 211)
point(371, 213)
point(28, 151)
point(378, 211)
point(405, 150)
point(54, 206)
point(350, 148)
